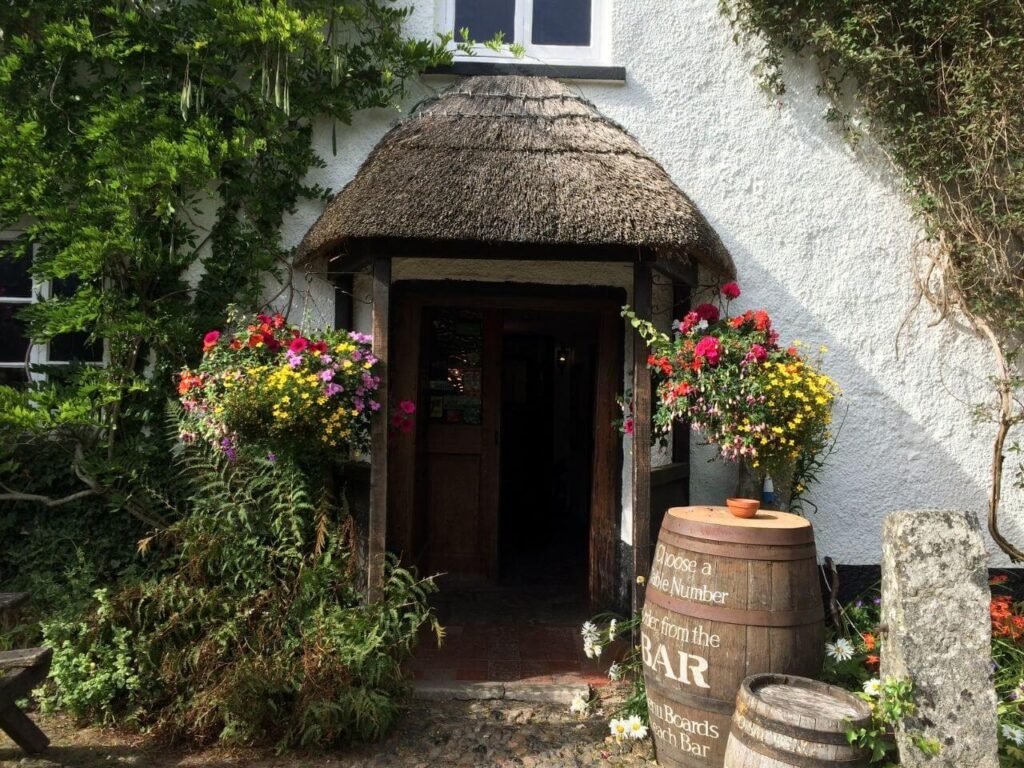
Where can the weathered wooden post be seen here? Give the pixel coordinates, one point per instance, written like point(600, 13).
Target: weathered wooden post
point(935, 612)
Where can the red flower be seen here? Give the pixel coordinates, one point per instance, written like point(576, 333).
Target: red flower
point(236, 344)
point(272, 343)
point(758, 353)
point(872, 661)
point(408, 407)
point(791, 351)
point(709, 348)
point(707, 312)
point(1001, 578)
point(627, 427)
point(688, 321)
point(761, 320)
point(210, 340)
point(682, 389)
point(277, 320)
point(255, 340)
point(318, 347)
point(731, 291)
point(298, 345)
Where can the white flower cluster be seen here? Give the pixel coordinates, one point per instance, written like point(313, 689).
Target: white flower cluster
point(615, 672)
point(873, 687)
point(579, 705)
point(1014, 733)
point(841, 650)
point(631, 728)
point(591, 640)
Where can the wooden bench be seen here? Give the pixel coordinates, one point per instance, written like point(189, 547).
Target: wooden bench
point(21, 671)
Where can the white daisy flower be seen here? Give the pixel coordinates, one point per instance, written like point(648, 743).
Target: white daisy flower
point(596, 649)
point(579, 705)
point(873, 687)
point(841, 650)
point(589, 631)
point(636, 727)
point(615, 672)
point(1014, 733)
point(619, 728)
point(612, 626)
point(702, 325)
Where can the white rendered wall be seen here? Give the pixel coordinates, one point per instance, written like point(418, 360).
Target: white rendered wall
point(822, 239)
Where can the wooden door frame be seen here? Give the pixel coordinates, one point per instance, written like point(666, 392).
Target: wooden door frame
point(405, 465)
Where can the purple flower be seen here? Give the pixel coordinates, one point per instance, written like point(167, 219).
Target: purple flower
point(271, 457)
point(357, 356)
point(360, 391)
point(360, 338)
point(326, 359)
point(326, 375)
point(228, 446)
point(332, 389)
point(374, 405)
point(294, 360)
point(358, 404)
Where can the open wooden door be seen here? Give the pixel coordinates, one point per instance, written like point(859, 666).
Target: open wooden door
point(462, 358)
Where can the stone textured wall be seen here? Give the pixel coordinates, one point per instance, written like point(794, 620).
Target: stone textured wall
point(822, 238)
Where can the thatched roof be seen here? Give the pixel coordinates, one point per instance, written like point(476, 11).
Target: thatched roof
point(515, 160)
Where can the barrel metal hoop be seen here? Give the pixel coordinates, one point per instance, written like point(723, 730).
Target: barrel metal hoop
point(786, 758)
point(715, 706)
point(736, 551)
point(734, 615)
point(833, 738)
point(738, 534)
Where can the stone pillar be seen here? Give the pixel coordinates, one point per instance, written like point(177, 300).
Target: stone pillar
point(935, 612)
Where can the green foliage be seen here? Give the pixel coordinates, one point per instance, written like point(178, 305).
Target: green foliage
point(248, 624)
point(144, 142)
point(940, 85)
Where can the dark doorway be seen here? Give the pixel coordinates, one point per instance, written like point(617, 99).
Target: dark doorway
point(546, 441)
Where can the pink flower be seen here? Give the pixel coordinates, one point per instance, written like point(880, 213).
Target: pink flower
point(298, 345)
point(707, 312)
point(210, 340)
point(408, 407)
point(731, 291)
point(688, 321)
point(758, 353)
point(710, 349)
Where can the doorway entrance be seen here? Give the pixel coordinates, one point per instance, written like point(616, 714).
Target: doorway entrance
point(513, 479)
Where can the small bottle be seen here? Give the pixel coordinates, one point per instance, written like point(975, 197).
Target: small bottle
point(768, 493)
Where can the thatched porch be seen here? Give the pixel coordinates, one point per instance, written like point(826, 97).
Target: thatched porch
point(516, 168)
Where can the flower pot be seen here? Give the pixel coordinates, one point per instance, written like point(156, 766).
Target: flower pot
point(745, 508)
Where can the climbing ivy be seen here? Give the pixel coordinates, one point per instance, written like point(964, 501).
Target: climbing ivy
point(149, 150)
point(939, 84)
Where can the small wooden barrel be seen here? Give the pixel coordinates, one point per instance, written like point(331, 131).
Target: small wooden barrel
point(792, 722)
point(727, 598)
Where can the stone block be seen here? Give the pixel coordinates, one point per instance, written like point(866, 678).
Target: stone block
point(935, 611)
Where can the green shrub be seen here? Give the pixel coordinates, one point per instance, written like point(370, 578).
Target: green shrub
point(249, 624)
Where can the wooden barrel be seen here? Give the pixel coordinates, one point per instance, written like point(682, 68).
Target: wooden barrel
point(727, 598)
point(783, 721)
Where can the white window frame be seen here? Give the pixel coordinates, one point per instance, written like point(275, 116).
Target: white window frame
point(38, 354)
point(595, 54)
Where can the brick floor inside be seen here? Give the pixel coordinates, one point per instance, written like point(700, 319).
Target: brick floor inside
point(510, 635)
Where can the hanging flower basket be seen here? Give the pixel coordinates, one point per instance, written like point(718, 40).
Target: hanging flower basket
point(270, 387)
point(762, 405)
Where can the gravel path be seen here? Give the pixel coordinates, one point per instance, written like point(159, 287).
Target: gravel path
point(432, 734)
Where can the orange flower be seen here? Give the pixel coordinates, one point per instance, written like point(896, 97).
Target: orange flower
point(1002, 578)
point(256, 340)
point(236, 344)
point(872, 661)
point(869, 641)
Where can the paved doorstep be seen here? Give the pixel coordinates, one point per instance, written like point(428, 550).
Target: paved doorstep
point(431, 734)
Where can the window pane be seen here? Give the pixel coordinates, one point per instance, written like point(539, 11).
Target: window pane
point(484, 18)
point(561, 22)
point(14, 277)
point(13, 339)
point(64, 286)
point(12, 377)
point(75, 347)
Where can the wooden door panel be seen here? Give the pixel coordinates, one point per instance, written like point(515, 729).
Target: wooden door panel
point(454, 515)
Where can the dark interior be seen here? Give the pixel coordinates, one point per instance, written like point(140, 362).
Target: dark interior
point(546, 449)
